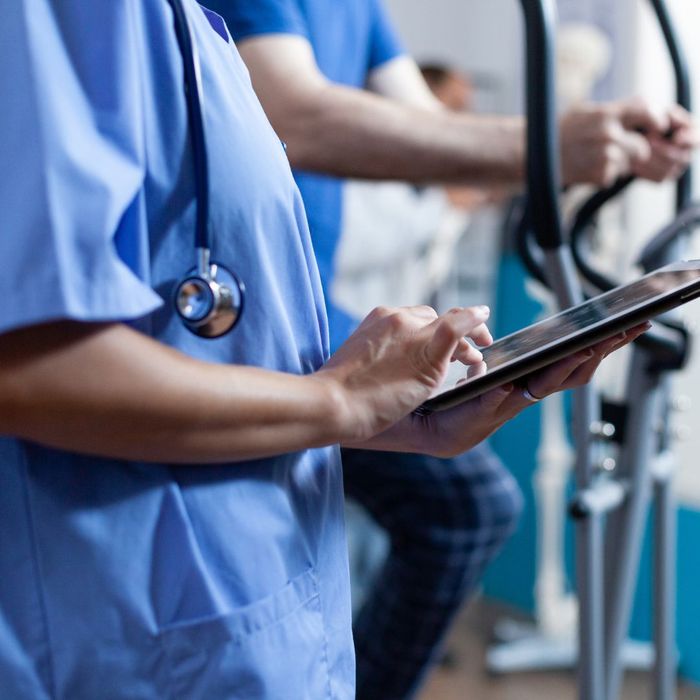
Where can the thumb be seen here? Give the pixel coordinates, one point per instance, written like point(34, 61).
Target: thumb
point(635, 146)
point(637, 115)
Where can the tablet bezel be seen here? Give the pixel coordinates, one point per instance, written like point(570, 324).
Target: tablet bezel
point(576, 340)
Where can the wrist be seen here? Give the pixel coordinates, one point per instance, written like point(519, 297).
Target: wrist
point(410, 434)
point(337, 415)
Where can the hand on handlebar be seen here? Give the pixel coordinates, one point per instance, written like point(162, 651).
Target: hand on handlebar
point(602, 143)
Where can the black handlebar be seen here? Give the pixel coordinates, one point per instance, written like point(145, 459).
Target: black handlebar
point(653, 253)
point(688, 219)
point(542, 215)
point(580, 226)
point(683, 90)
point(543, 178)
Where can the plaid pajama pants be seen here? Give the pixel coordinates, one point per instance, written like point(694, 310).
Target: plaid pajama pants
point(446, 520)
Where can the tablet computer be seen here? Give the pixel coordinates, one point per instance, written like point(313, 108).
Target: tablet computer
point(525, 351)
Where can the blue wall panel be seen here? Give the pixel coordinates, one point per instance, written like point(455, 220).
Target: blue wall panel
point(511, 577)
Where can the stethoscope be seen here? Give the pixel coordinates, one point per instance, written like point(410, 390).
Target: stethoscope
point(209, 300)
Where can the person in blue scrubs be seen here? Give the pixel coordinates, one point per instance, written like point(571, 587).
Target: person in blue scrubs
point(171, 506)
point(338, 86)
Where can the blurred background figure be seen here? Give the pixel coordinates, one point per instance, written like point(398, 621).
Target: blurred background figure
point(451, 86)
point(399, 241)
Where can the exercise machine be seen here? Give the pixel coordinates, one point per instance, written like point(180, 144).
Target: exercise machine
point(611, 503)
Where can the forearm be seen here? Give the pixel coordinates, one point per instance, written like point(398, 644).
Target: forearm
point(351, 132)
point(383, 139)
point(110, 391)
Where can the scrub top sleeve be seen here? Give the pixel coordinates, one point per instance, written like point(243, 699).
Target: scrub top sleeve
point(385, 43)
point(247, 19)
point(73, 232)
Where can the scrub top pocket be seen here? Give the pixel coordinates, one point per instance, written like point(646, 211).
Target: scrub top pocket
point(256, 652)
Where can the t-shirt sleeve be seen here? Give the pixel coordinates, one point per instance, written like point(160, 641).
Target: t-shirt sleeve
point(246, 18)
point(385, 43)
point(73, 229)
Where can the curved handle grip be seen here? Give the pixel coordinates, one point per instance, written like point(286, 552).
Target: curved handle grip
point(543, 178)
point(683, 91)
point(657, 250)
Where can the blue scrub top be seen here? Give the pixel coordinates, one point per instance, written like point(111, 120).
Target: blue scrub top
point(135, 580)
point(349, 39)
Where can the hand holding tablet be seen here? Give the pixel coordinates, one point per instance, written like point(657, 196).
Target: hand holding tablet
point(520, 354)
point(398, 359)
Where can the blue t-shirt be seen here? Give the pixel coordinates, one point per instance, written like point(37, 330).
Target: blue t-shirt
point(121, 579)
point(349, 39)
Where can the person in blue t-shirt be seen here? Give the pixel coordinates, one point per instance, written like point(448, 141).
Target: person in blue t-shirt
point(340, 91)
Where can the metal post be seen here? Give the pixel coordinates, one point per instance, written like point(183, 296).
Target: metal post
point(604, 619)
point(665, 583)
point(665, 536)
point(625, 528)
point(543, 181)
point(589, 530)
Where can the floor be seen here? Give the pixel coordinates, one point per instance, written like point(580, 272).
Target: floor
point(463, 677)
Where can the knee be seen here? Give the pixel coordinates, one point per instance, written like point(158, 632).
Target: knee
point(507, 508)
point(492, 504)
point(486, 501)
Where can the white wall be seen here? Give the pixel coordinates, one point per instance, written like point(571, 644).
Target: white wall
point(479, 36)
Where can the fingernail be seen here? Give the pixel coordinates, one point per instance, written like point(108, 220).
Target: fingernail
point(483, 309)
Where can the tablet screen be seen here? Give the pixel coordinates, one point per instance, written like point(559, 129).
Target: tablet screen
point(565, 325)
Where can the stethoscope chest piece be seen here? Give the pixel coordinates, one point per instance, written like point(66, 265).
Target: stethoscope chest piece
point(209, 300)
point(210, 304)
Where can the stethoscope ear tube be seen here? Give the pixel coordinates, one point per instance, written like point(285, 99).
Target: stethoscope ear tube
point(210, 299)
